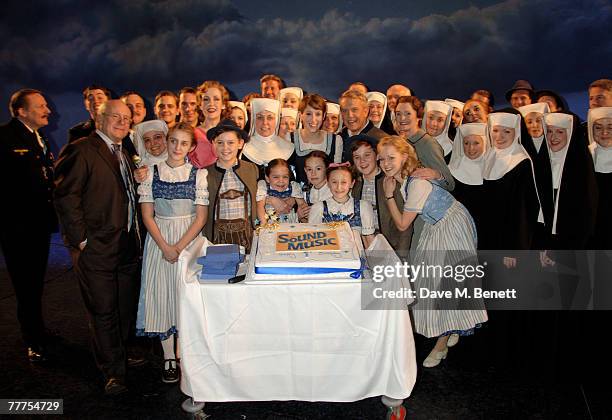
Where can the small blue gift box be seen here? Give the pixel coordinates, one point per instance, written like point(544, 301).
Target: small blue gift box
point(220, 262)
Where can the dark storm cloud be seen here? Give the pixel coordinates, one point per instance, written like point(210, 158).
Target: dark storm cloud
point(154, 45)
point(67, 44)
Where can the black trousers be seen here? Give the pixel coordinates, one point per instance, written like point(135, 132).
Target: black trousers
point(111, 298)
point(26, 252)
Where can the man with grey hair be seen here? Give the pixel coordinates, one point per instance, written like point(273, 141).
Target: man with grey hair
point(354, 109)
point(96, 205)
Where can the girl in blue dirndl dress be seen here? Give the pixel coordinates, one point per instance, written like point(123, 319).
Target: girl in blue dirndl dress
point(448, 240)
point(174, 200)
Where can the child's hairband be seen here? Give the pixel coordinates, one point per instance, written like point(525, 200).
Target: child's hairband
point(340, 165)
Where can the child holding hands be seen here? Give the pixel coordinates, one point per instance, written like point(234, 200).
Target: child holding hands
point(277, 187)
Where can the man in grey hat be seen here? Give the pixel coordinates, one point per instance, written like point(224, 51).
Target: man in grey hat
point(520, 94)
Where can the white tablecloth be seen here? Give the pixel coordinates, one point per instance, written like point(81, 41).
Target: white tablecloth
point(309, 342)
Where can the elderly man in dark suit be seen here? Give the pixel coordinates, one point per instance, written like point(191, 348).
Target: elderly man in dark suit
point(354, 109)
point(27, 216)
point(96, 204)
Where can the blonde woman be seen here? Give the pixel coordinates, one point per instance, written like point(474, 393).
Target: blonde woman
point(448, 239)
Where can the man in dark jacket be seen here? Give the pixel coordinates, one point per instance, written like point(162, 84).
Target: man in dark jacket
point(27, 216)
point(95, 199)
point(354, 109)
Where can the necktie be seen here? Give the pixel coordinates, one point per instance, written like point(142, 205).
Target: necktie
point(40, 141)
point(127, 182)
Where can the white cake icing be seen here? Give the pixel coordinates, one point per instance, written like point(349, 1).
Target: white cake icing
point(301, 244)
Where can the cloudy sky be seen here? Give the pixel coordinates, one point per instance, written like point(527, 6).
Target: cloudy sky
point(438, 48)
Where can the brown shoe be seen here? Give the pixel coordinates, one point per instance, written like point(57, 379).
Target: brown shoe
point(115, 386)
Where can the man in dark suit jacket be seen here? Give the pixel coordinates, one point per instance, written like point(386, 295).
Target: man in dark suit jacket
point(96, 205)
point(354, 109)
point(27, 217)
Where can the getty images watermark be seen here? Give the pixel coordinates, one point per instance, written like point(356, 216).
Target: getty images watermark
point(578, 280)
point(436, 282)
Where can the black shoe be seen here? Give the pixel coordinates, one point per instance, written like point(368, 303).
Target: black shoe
point(115, 386)
point(135, 361)
point(170, 375)
point(37, 354)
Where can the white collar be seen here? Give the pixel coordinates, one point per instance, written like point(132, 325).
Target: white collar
point(106, 139)
point(261, 150)
point(499, 162)
point(446, 143)
point(602, 158)
point(537, 142)
point(466, 170)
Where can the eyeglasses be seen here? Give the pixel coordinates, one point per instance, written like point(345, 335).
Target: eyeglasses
point(120, 118)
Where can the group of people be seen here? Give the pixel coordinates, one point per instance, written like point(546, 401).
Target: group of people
point(440, 178)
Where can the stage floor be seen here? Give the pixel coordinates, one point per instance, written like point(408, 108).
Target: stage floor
point(462, 387)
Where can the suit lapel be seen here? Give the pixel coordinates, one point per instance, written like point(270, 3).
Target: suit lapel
point(107, 156)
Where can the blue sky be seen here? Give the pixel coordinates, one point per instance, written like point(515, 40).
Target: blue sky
point(438, 48)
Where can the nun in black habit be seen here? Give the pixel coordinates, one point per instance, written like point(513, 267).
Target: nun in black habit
point(600, 139)
point(509, 188)
point(569, 204)
point(532, 138)
point(466, 166)
point(600, 146)
point(511, 208)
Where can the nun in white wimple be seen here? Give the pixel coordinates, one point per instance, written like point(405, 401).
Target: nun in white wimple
point(509, 189)
point(291, 97)
point(533, 115)
point(436, 122)
point(466, 166)
point(600, 138)
point(150, 142)
point(570, 203)
point(379, 112)
point(238, 113)
point(532, 140)
point(288, 123)
point(333, 119)
point(377, 102)
point(457, 116)
point(264, 145)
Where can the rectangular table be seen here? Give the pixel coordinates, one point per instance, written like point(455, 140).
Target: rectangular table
point(309, 342)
